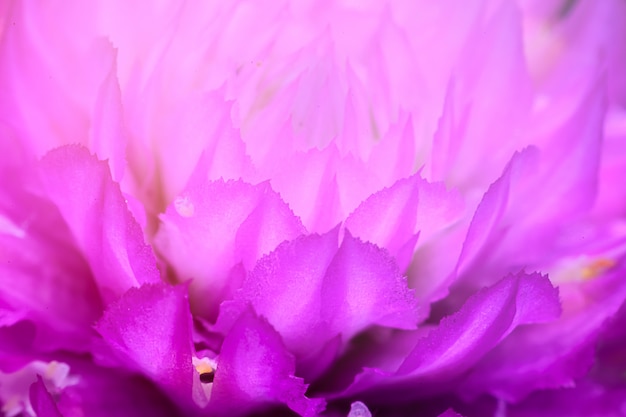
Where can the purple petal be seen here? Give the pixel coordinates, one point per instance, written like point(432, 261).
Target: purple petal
point(255, 368)
point(483, 321)
point(95, 211)
point(311, 292)
point(463, 338)
point(362, 287)
point(42, 402)
point(550, 355)
point(213, 226)
point(149, 330)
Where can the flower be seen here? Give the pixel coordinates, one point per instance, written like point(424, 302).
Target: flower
point(323, 208)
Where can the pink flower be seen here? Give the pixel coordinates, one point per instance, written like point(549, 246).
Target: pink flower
point(334, 208)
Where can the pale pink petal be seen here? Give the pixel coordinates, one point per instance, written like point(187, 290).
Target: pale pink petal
point(212, 227)
point(95, 211)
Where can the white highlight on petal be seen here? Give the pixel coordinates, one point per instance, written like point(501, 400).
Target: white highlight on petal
point(358, 409)
point(10, 228)
point(184, 206)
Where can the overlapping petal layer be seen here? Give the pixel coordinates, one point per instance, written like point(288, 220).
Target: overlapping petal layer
point(356, 208)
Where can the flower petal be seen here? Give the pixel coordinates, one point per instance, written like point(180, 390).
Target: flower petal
point(461, 339)
point(214, 226)
point(311, 292)
point(550, 355)
point(42, 402)
point(95, 211)
point(409, 207)
point(102, 392)
point(254, 369)
point(149, 330)
point(43, 278)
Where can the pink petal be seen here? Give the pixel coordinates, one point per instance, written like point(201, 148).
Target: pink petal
point(149, 330)
point(254, 369)
point(94, 209)
point(409, 208)
point(214, 226)
point(41, 400)
point(312, 292)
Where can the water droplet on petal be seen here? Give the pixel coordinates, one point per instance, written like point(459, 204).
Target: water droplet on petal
point(184, 206)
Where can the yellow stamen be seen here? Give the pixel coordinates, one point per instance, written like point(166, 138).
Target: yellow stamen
point(597, 267)
point(204, 368)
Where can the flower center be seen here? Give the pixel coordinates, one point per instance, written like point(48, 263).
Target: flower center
point(205, 368)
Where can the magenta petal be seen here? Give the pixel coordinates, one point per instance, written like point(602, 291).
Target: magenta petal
point(285, 287)
point(149, 330)
point(255, 368)
point(362, 287)
point(550, 355)
point(311, 292)
point(104, 229)
point(483, 321)
point(463, 338)
point(42, 402)
point(213, 226)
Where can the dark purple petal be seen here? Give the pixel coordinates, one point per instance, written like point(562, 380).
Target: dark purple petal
point(17, 344)
point(255, 369)
point(586, 399)
point(104, 392)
